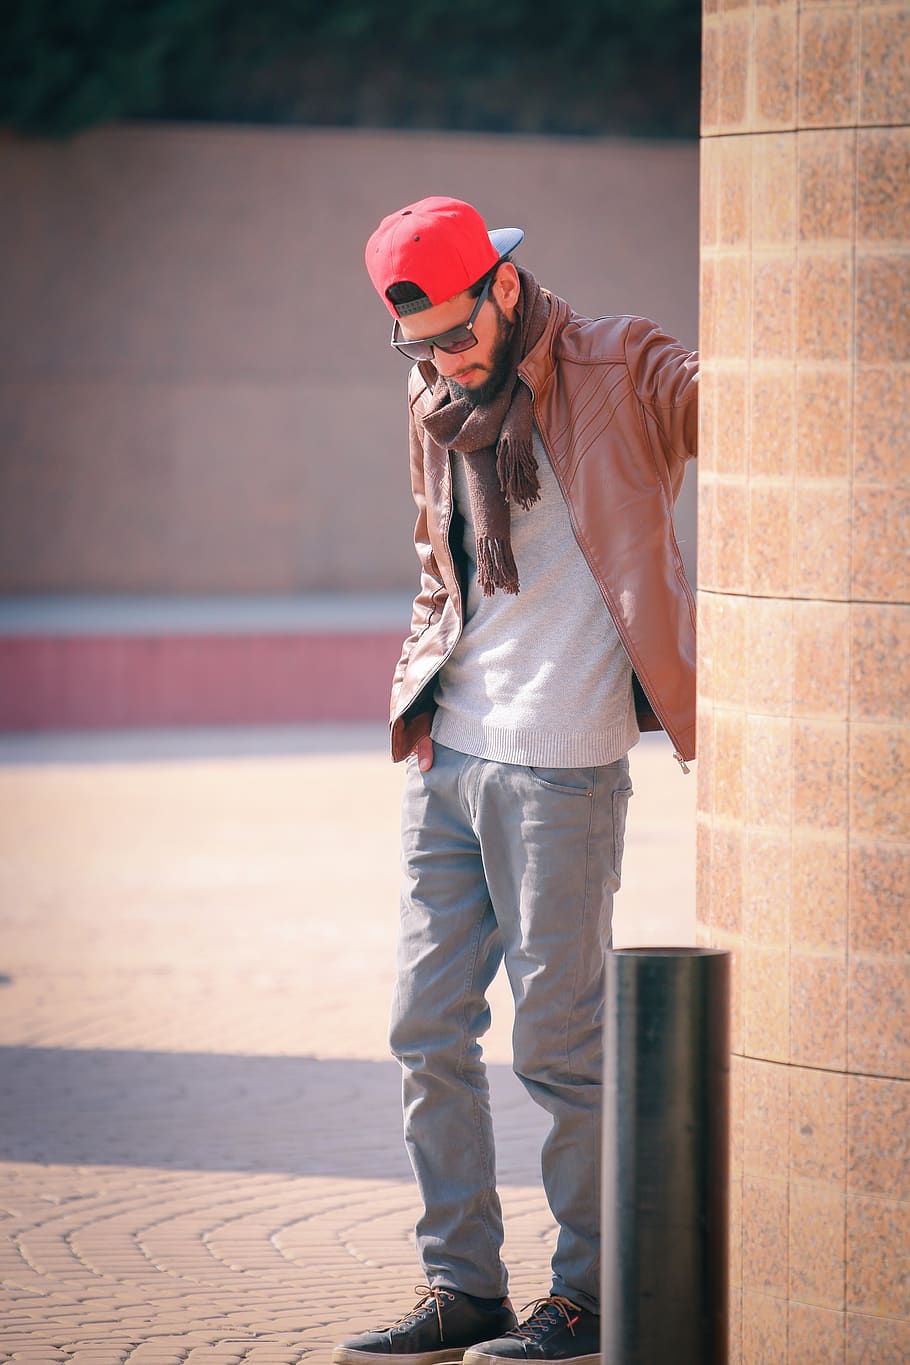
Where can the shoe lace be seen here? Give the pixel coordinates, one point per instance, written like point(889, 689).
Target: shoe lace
point(431, 1298)
point(544, 1316)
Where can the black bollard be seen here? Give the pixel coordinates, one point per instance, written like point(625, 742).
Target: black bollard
point(665, 1204)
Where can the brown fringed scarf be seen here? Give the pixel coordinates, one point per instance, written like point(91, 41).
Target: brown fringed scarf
point(495, 440)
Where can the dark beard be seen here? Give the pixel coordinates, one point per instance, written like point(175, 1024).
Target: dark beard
point(502, 370)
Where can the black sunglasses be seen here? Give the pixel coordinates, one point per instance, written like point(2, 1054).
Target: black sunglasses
point(460, 338)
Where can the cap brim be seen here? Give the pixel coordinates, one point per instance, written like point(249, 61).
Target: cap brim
point(506, 239)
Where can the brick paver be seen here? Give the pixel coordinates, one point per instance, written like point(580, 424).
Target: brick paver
point(200, 1152)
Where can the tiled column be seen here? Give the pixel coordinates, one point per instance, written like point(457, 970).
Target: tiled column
point(804, 661)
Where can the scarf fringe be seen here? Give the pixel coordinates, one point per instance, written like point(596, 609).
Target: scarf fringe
point(516, 469)
point(496, 567)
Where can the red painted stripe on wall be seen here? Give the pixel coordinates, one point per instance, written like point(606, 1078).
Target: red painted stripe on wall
point(75, 682)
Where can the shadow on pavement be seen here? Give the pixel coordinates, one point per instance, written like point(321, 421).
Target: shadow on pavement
point(214, 1112)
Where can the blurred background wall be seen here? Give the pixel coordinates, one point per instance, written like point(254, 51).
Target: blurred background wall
point(198, 395)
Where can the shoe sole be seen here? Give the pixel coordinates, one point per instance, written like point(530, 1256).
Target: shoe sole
point(481, 1358)
point(342, 1356)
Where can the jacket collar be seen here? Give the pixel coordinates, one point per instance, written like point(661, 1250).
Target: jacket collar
point(537, 365)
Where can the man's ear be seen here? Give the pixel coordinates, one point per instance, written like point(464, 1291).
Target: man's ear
point(507, 288)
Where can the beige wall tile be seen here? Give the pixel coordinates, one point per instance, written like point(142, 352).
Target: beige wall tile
point(883, 185)
point(766, 1119)
point(821, 651)
point(828, 67)
point(774, 189)
point(707, 531)
point(880, 661)
point(878, 1256)
point(882, 401)
point(878, 1017)
point(817, 1335)
point(710, 72)
point(817, 1226)
point(818, 1003)
point(825, 308)
point(774, 282)
point(734, 70)
point(732, 312)
point(737, 1120)
point(771, 535)
point(880, 781)
point(707, 318)
point(820, 779)
point(824, 420)
point(818, 914)
point(879, 882)
point(736, 1231)
point(729, 745)
point(769, 800)
point(827, 178)
point(822, 538)
point(707, 421)
point(769, 668)
point(881, 543)
point(772, 446)
point(775, 57)
point(765, 1237)
point(704, 882)
point(877, 1341)
point(885, 64)
point(732, 430)
point(709, 178)
point(733, 944)
point(730, 535)
point(735, 1338)
point(766, 1002)
point(818, 1119)
point(878, 1137)
point(733, 162)
point(727, 878)
point(764, 1328)
point(767, 888)
point(728, 644)
point(882, 307)
point(704, 769)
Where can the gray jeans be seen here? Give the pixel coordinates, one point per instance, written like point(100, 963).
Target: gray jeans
point(502, 861)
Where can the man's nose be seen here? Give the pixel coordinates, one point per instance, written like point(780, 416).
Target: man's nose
point(446, 363)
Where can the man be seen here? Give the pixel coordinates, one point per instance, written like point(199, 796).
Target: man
point(552, 623)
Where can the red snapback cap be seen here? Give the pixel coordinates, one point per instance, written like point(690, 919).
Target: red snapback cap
point(441, 245)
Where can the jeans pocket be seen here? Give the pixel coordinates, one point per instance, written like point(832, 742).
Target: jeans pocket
point(571, 781)
point(620, 811)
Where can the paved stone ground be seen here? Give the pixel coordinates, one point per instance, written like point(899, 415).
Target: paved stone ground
point(200, 1153)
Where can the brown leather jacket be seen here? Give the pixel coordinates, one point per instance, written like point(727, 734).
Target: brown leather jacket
point(615, 402)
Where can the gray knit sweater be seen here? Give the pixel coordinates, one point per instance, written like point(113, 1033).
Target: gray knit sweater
point(540, 678)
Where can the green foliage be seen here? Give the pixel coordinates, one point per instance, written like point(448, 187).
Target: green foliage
point(592, 66)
